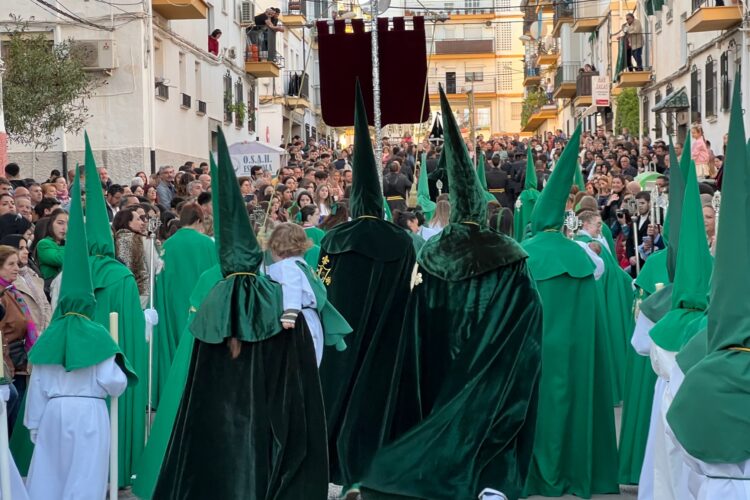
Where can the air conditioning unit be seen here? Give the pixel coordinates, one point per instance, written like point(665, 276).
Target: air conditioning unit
point(247, 13)
point(95, 55)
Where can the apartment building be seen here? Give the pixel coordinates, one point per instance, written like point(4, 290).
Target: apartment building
point(164, 92)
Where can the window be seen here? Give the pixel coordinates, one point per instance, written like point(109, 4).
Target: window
point(503, 36)
point(251, 108)
point(474, 75)
point(738, 66)
point(472, 6)
point(228, 99)
point(683, 40)
point(644, 113)
point(198, 81)
point(484, 117)
point(515, 110)
point(695, 94)
point(710, 87)
point(450, 82)
point(224, 6)
point(183, 73)
point(210, 17)
point(657, 124)
point(726, 87)
point(239, 92)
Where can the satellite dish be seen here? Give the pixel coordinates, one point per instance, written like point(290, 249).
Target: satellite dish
point(383, 5)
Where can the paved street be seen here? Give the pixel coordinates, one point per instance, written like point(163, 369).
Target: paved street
point(626, 492)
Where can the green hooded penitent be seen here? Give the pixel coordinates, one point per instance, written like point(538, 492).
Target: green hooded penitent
point(715, 391)
point(472, 328)
point(527, 199)
point(423, 190)
point(366, 265)
point(239, 409)
point(116, 290)
point(640, 378)
point(149, 466)
point(73, 339)
point(692, 276)
point(575, 451)
point(186, 255)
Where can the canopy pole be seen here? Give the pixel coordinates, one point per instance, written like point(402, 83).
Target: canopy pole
point(376, 90)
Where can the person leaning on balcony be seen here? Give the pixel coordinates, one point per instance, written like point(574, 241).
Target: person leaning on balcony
point(213, 42)
point(634, 42)
point(268, 20)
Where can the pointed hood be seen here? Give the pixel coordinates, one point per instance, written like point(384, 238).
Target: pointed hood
point(715, 391)
point(73, 339)
point(673, 218)
point(215, 205)
point(692, 275)
point(466, 195)
point(549, 211)
point(366, 197)
point(423, 190)
point(244, 304)
point(98, 229)
point(578, 178)
point(239, 251)
point(531, 182)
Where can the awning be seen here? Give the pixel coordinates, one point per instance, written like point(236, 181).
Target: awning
point(673, 102)
point(591, 110)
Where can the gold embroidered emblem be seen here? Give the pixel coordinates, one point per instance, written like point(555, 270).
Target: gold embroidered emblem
point(324, 270)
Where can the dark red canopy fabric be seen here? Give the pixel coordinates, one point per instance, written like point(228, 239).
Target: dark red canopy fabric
point(346, 57)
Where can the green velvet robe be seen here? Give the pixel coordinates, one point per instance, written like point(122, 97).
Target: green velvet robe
point(115, 290)
point(615, 287)
point(257, 420)
point(477, 342)
point(575, 447)
point(151, 461)
point(187, 254)
point(366, 265)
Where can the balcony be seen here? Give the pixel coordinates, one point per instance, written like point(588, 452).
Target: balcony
point(707, 16)
point(565, 80)
point(531, 76)
point(529, 18)
point(261, 59)
point(563, 14)
point(629, 73)
point(297, 89)
point(588, 16)
point(545, 6)
point(540, 115)
point(584, 88)
point(181, 9)
point(547, 53)
point(446, 47)
point(294, 16)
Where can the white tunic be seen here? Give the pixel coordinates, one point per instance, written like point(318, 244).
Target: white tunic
point(298, 295)
point(726, 481)
point(642, 343)
point(67, 413)
point(598, 262)
point(17, 488)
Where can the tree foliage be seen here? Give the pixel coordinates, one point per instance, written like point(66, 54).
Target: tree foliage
point(535, 98)
point(44, 89)
point(627, 111)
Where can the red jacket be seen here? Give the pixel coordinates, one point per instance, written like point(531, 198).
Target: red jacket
point(213, 45)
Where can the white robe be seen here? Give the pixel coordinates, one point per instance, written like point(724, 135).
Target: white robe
point(642, 343)
point(598, 261)
point(726, 481)
point(17, 488)
point(67, 413)
point(298, 295)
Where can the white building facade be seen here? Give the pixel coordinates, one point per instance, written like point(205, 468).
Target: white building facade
point(164, 93)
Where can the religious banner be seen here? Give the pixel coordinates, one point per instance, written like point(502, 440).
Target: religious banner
point(346, 57)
